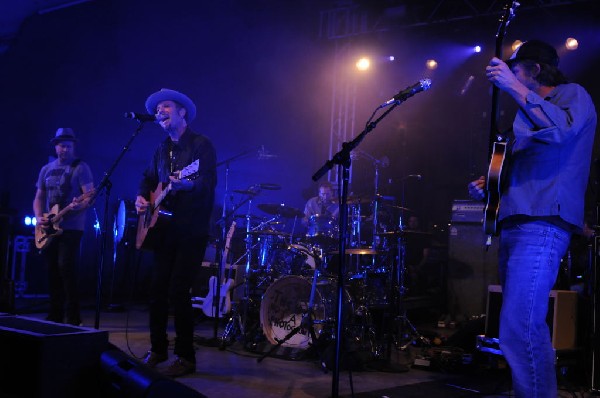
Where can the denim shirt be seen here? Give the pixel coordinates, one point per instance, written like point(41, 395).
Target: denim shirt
point(547, 169)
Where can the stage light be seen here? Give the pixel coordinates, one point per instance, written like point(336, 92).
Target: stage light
point(363, 64)
point(571, 44)
point(392, 58)
point(431, 64)
point(477, 49)
point(29, 221)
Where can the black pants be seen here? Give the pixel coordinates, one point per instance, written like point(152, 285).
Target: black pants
point(62, 257)
point(177, 259)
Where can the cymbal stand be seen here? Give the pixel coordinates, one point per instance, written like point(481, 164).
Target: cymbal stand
point(405, 338)
point(307, 323)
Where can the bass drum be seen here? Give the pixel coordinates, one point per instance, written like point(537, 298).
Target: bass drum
point(125, 221)
point(287, 299)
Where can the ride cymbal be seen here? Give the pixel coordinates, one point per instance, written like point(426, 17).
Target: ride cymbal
point(280, 209)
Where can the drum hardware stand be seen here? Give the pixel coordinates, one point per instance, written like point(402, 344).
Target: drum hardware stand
point(402, 319)
point(306, 323)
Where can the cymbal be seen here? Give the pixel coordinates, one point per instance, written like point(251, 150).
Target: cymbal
point(269, 186)
point(252, 216)
point(358, 250)
point(281, 210)
point(395, 207)
point(246, 191)
point(269, 232)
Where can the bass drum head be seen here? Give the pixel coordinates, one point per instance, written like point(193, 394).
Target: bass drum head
point(287, 299)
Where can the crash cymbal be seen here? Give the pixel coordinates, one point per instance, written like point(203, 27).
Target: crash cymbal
point(280, 209)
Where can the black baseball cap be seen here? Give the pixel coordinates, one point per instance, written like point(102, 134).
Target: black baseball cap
point(534, 50)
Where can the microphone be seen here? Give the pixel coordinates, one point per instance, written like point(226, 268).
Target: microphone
point(140, 117)
point(408, 92)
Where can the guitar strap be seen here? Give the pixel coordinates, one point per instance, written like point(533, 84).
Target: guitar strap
point(67, 184)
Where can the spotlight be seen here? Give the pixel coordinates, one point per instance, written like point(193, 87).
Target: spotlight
point(477, 49)
point(363, 64)
point(29, 221)
point(571, 44)
point(392, 58)
point(431, 64)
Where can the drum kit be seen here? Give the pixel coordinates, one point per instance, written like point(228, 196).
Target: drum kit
point(289, 280)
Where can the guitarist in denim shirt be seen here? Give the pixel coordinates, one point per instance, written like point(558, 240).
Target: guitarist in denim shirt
point(541, 203)
point(60, 184)
point(180, 241)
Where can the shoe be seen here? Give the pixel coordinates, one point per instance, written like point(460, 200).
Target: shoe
point(180, 367)
point(152, 359)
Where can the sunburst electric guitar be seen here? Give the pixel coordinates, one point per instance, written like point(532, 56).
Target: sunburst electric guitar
point(155, 215)
point(497, 147)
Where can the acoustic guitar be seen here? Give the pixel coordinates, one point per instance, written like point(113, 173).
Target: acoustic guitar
point(45, 233)
point(155, 215)
point(224, 306)
point(497, 142)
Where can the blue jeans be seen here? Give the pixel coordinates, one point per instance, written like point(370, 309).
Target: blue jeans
point(528, 262)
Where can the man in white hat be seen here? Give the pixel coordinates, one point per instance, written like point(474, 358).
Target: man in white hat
point(180, 240)
point(64, 185)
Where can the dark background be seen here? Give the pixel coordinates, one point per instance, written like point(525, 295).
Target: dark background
point(261, 74)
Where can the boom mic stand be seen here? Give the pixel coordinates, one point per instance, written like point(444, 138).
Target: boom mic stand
point(343, 160)
point(106, 185)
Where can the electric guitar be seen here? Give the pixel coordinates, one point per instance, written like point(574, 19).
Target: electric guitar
point(208, 306)
point(155, 215)
point(45, 233)
point(497, 143)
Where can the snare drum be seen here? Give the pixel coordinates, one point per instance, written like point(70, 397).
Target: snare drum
point(287, 299)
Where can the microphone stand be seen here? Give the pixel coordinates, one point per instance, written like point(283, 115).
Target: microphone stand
point(106, 185)
point(343, 160)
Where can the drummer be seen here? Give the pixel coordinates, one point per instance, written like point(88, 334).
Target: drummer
point(323, 205)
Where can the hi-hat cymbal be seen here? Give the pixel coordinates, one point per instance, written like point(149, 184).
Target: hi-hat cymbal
point(280, 209)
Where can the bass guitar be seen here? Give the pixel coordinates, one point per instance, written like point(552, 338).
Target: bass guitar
point(208, 305)
point(155, 215)
point(45, 233)
point(497, 142)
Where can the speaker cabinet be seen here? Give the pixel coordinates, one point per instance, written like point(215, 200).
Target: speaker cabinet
point(472, 267)
point(47, 360)
point(561, 317)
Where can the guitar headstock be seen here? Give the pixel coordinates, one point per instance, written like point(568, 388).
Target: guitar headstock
point(191, 170)
point(507, 16)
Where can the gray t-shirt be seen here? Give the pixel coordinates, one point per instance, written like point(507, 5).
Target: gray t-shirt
point(62, 183)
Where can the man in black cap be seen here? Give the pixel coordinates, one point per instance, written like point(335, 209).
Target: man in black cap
point(64, 191)
point(179, 240)
point(541, 203)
